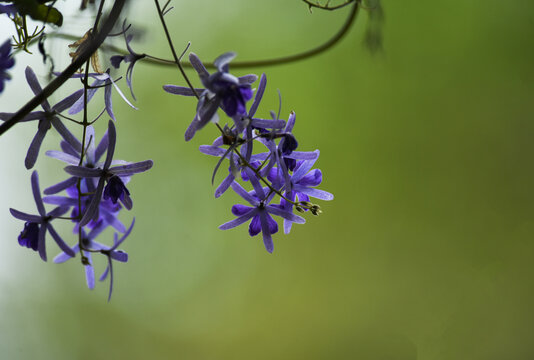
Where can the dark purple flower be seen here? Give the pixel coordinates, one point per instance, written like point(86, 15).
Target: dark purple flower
point(47, 119)
point(89, 245)
point(6, 62)
point(105, 173)
point(260, 213)
point(36, 226)
point(29, 236)
point(116, 190)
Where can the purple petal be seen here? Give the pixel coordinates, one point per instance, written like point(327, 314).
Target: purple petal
point(291, 122)
point(254, 227)
point(89, 272)
point(247, 79)
point(238, 221)
point(35, 146)
point(313, 178)
point(211, 150)
point(267, 227)
point(130, 169)
point(83, 172)
point(221, 189)
point(62, 257)
point(119, 256)
point(316, 193)
point(92, 210)
point(35, 86)
point(303, 169)
point(25, 217)
point(285, 214)
point(303, 155)
point(244, 194)
point(198, 66)
point(102, 146)
point(112, 138)
point(60, 155)
point(124, 236)
point(68, 101)
point(240, 210)
point(37, 194)
point(222, 61)
point(181, 90)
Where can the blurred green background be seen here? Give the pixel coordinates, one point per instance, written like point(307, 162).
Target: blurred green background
point(425, 253)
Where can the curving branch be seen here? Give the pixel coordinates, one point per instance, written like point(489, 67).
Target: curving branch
point(255, 63)
point(327, 5)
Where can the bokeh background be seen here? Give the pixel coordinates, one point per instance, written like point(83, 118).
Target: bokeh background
point(425, 253)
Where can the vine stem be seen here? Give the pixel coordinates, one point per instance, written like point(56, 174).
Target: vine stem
point(326, 6)
point(171, 45)
point(70, 70)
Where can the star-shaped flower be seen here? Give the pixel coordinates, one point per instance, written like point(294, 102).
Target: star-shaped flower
point(260, 213)
point(36, 226)
point(115, 189)
point(222, 89)
point(47, 119)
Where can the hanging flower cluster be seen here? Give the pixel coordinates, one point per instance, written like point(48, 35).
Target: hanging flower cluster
point(261, 152)
point(260, 158)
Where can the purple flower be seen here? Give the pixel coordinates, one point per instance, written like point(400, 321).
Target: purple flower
point(29, 236)
point(221, 90)
point(71, 155)
point(101, 80)
point(235, 165)
point(116, 190)
point(302, 185)
point(36, 226)
point(105, 174)
point(47, 119)
point(107, 211)
point(283, 154)
point(260, 213)
point(89, 245)
point(6, 62)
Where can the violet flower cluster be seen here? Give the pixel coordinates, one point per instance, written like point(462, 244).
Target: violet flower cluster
point(261, 153)
point(93, 193)
point(259, 157)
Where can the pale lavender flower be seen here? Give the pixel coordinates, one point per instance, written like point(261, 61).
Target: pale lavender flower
point(101, 80)
point(36, 226)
